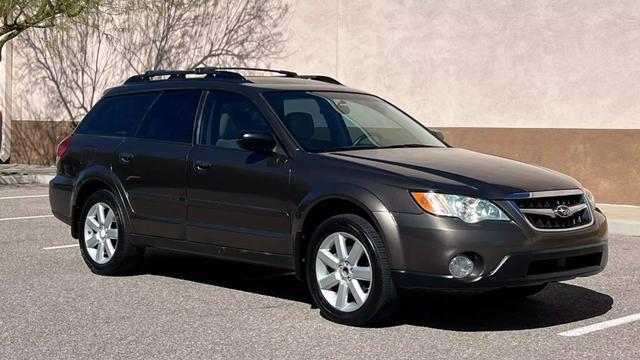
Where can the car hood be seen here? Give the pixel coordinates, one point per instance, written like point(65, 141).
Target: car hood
point(461, 171)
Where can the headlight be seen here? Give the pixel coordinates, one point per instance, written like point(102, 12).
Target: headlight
point(590, 198)
point(468, 209)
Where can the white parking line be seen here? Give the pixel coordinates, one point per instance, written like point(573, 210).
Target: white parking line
point(59, 247)
point(26, 217)
point(601, 326)
point(22, 197)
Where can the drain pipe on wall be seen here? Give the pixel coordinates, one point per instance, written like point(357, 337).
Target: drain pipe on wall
point(6, 112)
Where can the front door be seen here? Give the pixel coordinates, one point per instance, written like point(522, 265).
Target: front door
point(236, 197)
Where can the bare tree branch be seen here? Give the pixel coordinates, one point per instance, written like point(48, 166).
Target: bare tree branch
point(73, 64)
point(185, 34)
point(104, 46)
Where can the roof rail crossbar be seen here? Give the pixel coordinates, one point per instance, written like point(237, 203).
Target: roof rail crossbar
point(322, 78)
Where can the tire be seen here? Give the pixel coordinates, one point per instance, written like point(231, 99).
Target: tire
point(521, 291)
point(119, 256)
point(368, 301)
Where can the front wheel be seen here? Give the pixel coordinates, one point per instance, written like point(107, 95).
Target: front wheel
point(348, 272)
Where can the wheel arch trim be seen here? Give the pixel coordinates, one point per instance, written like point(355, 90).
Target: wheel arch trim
point(102, 174)
point(360, 197)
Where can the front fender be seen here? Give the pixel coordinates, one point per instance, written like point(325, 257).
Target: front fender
point(359, 196)
point(343, 191)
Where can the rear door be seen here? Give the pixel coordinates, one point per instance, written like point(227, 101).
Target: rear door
point(105, 127)
point(151, 164)
point(236, 197)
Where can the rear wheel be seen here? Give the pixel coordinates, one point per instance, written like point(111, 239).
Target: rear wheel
point(102, 239)
point(348, 272)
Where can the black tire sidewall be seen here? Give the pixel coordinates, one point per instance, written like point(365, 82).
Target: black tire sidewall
point(119, 256)
point(375, 300)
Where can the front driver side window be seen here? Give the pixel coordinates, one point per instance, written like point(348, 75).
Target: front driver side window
point(227, 116)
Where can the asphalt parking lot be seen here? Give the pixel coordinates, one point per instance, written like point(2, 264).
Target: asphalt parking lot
point(181, 306)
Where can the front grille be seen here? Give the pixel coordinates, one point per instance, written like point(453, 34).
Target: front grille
point(546, 212)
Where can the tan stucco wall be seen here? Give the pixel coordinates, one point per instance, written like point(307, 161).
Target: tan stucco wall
point(488, 72)
point(551, 63)
point(510, 63)
point(35, 142)
point(605, 161)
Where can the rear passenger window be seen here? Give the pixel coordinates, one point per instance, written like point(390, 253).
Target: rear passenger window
point(171, 118)
point(117, 115)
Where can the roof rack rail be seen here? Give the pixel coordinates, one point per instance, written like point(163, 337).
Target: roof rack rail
point(283, 72)
point(182, 74)
point(322, 78)
point(222, 73)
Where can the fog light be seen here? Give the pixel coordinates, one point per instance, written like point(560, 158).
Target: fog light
point(461, 266)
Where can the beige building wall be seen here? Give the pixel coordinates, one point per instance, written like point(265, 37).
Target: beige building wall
point(547, 64)
point(539, 81)
point(550, 82)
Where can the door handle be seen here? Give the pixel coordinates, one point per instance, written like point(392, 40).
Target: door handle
point(125, 158)
point(201, 166)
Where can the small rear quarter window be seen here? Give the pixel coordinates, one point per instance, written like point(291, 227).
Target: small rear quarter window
point(117, 115)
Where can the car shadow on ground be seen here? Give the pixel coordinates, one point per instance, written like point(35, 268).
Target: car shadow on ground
point(558, 304)
point(233, 275)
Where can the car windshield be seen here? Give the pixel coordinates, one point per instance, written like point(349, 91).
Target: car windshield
point(336, 121)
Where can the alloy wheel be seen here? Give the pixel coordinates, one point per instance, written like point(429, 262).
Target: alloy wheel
point(101, 233)
point(343, 271)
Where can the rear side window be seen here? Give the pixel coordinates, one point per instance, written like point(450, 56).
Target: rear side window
point(118, 115)
point(171, 118)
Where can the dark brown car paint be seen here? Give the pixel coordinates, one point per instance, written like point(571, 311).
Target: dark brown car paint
point(251, 206)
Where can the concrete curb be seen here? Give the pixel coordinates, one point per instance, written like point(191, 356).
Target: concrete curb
point(622, 219)
point(624, 227)
point(21, 174)
point(25, 179)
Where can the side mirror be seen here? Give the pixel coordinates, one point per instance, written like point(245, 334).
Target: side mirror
point(261, 142)
point(437, 134)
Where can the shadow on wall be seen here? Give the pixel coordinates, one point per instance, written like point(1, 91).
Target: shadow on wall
point(35, 142)
point(557, 304)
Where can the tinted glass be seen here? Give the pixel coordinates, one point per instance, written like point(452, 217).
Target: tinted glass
point(171, 118)
point(118, 115)
point(310, 107)
point(228, 116)
point(334, 121)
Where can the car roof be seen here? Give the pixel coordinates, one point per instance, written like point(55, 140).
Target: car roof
point(244, 84)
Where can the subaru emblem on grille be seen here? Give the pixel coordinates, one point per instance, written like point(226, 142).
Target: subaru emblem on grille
point(562, 211)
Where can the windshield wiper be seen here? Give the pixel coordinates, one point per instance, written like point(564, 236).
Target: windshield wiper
point(407, 146)
point(352, 148)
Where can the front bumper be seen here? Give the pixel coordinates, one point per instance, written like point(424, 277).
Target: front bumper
point(520, 269)
point(512, 253)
